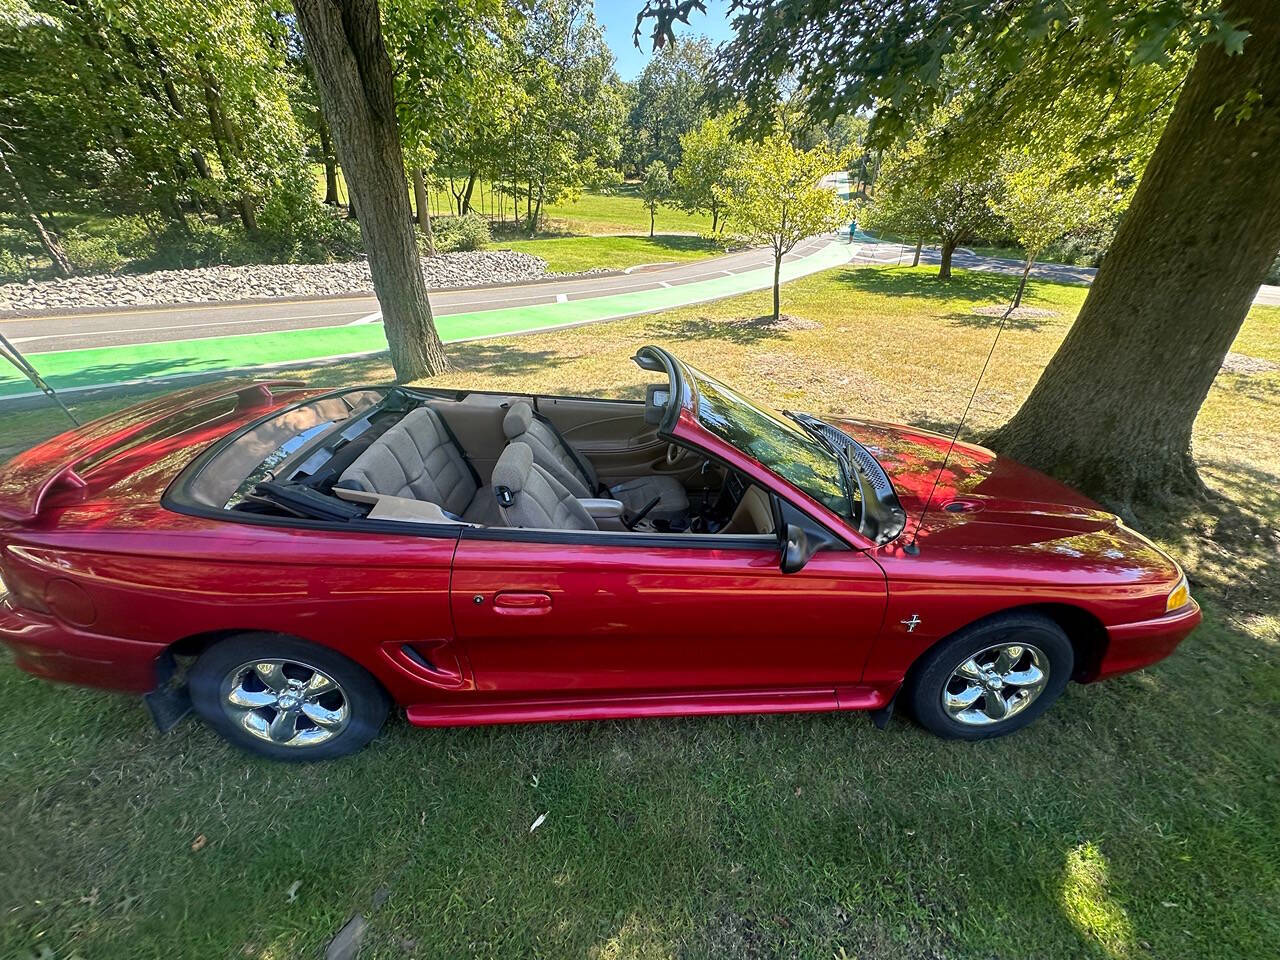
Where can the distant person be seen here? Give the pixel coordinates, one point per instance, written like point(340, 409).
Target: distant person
point(853, 229)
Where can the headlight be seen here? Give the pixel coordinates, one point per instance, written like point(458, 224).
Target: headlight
point(1179, 597)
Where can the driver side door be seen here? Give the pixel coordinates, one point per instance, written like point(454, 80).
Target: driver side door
point(600, 615)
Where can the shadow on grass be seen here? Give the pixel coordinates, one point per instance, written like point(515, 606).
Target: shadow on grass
point(925, 284)
point(1232, 533)
point(978, 321)
point(746, 330)
point(501, 359)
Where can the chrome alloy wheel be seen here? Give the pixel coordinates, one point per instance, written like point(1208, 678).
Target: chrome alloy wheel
point(285, 702)
point(995, 684)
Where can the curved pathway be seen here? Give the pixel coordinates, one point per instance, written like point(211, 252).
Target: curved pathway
point(101, 349)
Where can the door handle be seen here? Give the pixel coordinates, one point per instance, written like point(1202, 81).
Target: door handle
point(521, 603)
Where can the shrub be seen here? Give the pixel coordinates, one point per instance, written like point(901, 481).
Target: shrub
point(455, 234)
point(200, 244)
point(1273, 275)
point(91, 254)
point(13, 269)
point(294, 227)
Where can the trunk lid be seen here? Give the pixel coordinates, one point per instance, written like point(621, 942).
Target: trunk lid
point(75, 461)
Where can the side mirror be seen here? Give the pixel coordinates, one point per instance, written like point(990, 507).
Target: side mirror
point(797, 548)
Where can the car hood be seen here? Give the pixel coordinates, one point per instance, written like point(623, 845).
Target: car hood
point(983, 500)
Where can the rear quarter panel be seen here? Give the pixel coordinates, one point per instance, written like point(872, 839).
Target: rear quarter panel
point(167, 577)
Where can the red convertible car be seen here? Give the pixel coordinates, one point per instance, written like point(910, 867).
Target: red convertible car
point(295, 561)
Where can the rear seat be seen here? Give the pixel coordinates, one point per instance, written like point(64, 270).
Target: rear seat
point(417, 458)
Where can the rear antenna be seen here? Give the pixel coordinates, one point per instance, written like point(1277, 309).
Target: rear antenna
point(913, 548)
point(9, 352)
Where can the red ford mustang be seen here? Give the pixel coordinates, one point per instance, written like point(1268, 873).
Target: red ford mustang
point(296, 561)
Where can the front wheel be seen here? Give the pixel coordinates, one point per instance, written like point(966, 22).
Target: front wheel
point(285, 698)
point(991, 678)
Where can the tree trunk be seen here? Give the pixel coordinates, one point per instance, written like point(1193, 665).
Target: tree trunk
point(777, 286)
point(330, 166)
point(948, 248)
point(1113, 412)
point(915, 261)
point(353, 73)
point(535, 216)
point(653, 215)
point(48, 239)
point(228, 146)
point(466, 196)
point(422, 201)
point(1022, 284)
point(715, 219)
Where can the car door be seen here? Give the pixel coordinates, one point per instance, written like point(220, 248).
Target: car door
point(597, 614)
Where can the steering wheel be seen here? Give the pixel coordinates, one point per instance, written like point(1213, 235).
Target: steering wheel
point(674, 454)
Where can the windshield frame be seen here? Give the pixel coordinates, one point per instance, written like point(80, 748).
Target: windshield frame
point(802, 440)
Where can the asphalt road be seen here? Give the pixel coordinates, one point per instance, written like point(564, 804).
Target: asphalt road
point(893, 253)
point(134, 325)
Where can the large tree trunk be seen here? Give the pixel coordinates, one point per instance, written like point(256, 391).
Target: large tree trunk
point(915, 261)
point(353, 73)
point(1113, 412)
point(948, 248)
point(422, 201)
point(48, 239)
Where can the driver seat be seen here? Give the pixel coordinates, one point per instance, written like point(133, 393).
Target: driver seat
point(553, 454)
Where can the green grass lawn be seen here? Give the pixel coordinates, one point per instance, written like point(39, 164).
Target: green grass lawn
point(1139, 819)
point(620, 211)
point(570, 254)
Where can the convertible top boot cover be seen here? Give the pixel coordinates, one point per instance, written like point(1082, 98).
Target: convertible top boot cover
point(554, 454)
point(529, 496)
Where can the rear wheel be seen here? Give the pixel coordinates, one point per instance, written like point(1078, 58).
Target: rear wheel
point(991, 678)
point(285, 698)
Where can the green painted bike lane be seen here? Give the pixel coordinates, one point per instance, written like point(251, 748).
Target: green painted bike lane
point(134, 363)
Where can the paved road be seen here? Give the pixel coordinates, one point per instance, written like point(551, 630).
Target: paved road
point(871, 251)
point(45, 334)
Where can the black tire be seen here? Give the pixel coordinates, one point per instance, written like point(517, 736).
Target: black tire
point(933, 672)
point(359, 699)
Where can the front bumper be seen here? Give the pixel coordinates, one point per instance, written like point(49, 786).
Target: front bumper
point(1133, 646)
point(49, 649)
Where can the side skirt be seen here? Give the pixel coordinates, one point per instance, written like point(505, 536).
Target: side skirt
point(471, 709)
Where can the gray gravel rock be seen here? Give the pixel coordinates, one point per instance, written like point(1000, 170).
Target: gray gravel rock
point(258, 281)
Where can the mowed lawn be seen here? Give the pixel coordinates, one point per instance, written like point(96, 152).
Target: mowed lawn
point(572, 254)
point(1140, 818)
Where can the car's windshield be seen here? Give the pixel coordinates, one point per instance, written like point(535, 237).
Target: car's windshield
point(776, 442)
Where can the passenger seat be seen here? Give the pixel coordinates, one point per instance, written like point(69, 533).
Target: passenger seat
point(419, 458)
point(553, 454)
point(529, 496)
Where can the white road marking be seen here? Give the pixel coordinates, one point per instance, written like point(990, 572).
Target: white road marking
point(367, 318)
point(562, 298)
point(663, 283)
point(174, 326)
